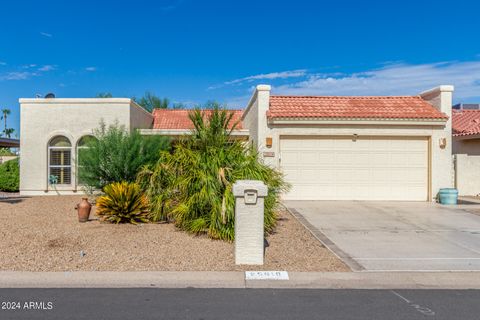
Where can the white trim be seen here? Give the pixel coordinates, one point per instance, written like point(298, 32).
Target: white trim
point(358, 121)
point(442, 88)
point(466, 137)
point(181, 132)
point(253, 98)
point(74, 100)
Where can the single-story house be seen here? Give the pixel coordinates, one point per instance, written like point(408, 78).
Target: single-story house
point(329, 147)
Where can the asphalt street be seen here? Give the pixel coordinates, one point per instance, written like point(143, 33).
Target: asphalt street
point(190, 303)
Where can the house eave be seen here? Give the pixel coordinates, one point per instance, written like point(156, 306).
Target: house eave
point(466, 136)
point(357, 121)
point(9, 143)
point(182, 132)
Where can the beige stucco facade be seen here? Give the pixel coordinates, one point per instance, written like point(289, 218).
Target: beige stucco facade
point(441, 174)
point(43, 119)
point(469, 145)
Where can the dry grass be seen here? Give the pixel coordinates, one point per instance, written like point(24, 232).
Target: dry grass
point(43, 234)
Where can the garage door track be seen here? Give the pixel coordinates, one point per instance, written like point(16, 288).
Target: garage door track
point(396, 236)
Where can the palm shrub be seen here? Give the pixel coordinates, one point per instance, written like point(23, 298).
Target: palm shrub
point(10, 176)
point(117, 155)
point(192, 185)
point(123, 202)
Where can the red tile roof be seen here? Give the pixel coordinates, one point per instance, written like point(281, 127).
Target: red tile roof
point(169, 119)
point(465, 122)
point(388, 107)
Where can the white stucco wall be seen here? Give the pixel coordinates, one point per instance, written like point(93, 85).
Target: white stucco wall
point(442, 166)
point(467, 174)
point(43, 119)
point(441, 163)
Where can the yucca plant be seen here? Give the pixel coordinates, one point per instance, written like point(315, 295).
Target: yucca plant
point(123, 202)
point(192, 185)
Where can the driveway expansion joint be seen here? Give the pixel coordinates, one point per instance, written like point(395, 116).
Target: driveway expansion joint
point(329, 244)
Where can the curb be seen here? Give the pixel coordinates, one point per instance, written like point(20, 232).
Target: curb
point(297, 280)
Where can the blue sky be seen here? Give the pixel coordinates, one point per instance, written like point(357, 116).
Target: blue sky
point(194, 51)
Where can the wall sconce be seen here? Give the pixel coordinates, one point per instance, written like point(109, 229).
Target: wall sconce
point(355, 137)
point(442, 142)
point(268, 142)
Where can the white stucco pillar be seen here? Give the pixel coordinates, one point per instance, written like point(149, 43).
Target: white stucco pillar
point(442, 164)
point(249, 221)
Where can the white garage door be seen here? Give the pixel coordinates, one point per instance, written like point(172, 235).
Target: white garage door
point(370, 168)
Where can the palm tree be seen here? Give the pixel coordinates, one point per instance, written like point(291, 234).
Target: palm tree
point(8, 132)
point(5, 113)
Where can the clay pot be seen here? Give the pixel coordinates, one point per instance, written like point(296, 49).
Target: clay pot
point(84, 208)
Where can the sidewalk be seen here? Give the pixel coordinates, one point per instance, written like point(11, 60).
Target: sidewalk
point(313, 280)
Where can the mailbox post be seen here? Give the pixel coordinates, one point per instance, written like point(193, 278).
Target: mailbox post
point(249, 222)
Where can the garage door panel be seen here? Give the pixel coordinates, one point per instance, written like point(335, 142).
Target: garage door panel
point(365, 169)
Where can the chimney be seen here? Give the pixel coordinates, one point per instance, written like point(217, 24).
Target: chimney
point(440, 97)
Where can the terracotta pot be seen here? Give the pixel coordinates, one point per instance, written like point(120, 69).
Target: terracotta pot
point(84, 208)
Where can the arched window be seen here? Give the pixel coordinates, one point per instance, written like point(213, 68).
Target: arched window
point(81, 146)
point(60, 161)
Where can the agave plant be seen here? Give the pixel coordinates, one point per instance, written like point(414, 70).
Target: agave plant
point(192, 185)
point(123, 202)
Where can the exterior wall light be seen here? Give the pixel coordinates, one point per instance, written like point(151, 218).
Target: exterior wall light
point(442, 142)
point(268, 142)
point(355, 137)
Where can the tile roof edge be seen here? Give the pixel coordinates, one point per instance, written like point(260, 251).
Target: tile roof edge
point(348, 97)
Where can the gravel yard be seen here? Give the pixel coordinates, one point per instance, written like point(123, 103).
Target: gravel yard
point(43, 234)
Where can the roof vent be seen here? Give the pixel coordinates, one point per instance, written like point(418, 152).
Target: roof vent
point(50, 96)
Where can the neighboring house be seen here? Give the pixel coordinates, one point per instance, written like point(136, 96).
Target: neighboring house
point(466, 131)
point(330, 148)
point(466, 148)
point(9, 143)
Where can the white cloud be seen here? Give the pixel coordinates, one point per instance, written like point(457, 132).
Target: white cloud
point(271, 76)
point(47, 67)
point(25, 72)
point(2, 63)
point(264, 76)
point(16, 75)
point(28, 66)
point(45, 34)
point(392, 79)
point(91, 69)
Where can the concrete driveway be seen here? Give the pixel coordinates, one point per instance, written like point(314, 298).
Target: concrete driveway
point(413, 236)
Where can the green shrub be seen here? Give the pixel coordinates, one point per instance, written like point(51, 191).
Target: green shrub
point(123, 202)
point(117, 155)
point(192, 185)
point(6, 152)
point(10, 176)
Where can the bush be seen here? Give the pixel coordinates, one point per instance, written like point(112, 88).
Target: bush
point(10, 176)
point(117, 155)
point(6, 152)
point(193, 185)
point(123, 202)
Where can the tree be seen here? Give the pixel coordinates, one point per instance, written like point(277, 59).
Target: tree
point(151, 101)
point(192, 184)
point(179, 105)
point(5, 113)
point(8, 132)
point(104, 95)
